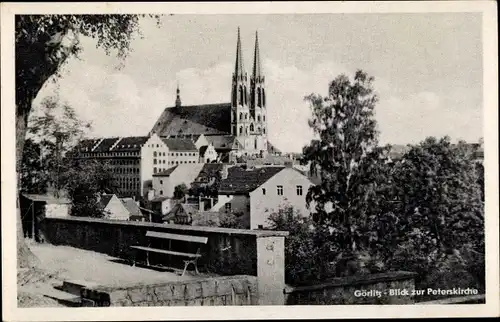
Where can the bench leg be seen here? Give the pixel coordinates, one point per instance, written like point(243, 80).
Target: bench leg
point(196, 267)
point(186, 263)
point(147, 258)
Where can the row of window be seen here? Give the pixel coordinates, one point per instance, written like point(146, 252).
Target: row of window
point(245, 116)
point(279, 190)
point(125, 170)
point(177, 154)
point(174, 162)
point(124, 162)
point(241, 93)
point(156, 170)
point(111, 155)
point(251, 129)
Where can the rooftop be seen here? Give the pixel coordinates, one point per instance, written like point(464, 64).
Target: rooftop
point(240, 180)
point(194, 119)
point(180, 144)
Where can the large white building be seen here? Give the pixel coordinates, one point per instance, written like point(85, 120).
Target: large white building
point(253, 193)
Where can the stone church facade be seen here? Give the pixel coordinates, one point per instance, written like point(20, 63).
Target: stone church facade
point(236, 128)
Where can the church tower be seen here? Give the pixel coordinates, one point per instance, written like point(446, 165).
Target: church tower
point(240, 112)
point(258, 102)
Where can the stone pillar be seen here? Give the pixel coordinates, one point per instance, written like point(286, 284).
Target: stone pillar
point(271, 270)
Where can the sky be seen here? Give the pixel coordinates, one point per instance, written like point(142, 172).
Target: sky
point(427, 68)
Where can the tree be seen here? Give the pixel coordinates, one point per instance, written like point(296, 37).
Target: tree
point(441, 211)
point(351, 165)
point(43, 44)
point(85, 181)
point(55, 133)
point(33, 177)
point(180, 191)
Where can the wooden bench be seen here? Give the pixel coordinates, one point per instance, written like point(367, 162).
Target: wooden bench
point(193, 257)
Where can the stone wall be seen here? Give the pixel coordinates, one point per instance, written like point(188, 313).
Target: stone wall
point(228, 252)
point(370, 289)
point(227, 290)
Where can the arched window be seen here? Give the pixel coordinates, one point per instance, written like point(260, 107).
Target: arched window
point(263, 97)
point(264, 130)
point(246, 116)
point(241, 95)
point(259, 102)
point(245, 93)
point(263, 118)
point(258, 118)
point(154, 153)
point(246, 130)
point(251, 127)
point(235, 93)
point(258, 129)
point(241, 116)
point(241, 129)
point(255, 146)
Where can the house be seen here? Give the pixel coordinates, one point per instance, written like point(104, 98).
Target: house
point(165, 182)
point(181, 214)
point(253, 193)
point(135, 213)
point(113, 208)
point(208, 154)
point(162, 205)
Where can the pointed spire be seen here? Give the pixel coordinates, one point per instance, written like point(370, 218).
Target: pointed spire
point(178, 99)
point(257, 69)
point(238, 68)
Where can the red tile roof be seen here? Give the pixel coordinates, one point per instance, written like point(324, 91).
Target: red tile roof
point(241, 181)
point(195, 119)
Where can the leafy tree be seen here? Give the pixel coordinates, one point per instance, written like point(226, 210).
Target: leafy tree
point(351, 165)
point(55, 133)
point(440, 211)
point(43, 43)
point(85, 181)
point(180, 191)
point(302, 261)
point(32, 176)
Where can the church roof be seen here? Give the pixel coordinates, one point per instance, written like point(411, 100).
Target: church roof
point(180, 144)
point(240, 180)
point(223, 142)
point(206, 119)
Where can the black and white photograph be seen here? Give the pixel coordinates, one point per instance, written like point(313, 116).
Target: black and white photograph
point(252, 155)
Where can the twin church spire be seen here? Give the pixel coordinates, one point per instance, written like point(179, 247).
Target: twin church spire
point(248, 95)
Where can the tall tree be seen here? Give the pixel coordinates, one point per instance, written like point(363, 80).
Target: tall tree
point(43, 43)
point(441, 209)
point(351, 165)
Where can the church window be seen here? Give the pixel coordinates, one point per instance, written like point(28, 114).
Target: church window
point(245, 93)
point(241, 129)
point(255, 146)
point(155, 170)
point(263, 118)
point(258, 118)
point(154, 161)
point(264, 130)
point(259, 102)
point(241, 95)
point(235, 93)
point(251, 127)
point(246, 116)
point(258, 129)
point(241, 116)
point(263, 97)
point(246, 130)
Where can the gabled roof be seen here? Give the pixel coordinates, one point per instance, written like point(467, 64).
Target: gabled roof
point(104, 200)
point(181, 213)
point(132, 143)
point(180, 144)
point(194, 119)
point(132, 207)
point(241, 181)
point(165, 173)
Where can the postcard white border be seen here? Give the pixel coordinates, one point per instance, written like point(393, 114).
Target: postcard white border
point(490, 63)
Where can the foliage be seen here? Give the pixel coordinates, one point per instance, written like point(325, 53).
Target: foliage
point(180, 191)
point(440, 209)
point(351, 165)
point(51, 136)
point(232, 220)
point(302, 259)
point(33, 176)
point(86, 180)
point(209, 189)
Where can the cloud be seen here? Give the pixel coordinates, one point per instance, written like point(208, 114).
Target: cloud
point(120, 104)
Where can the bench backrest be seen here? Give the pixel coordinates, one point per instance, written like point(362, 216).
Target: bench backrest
point(187, 238)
